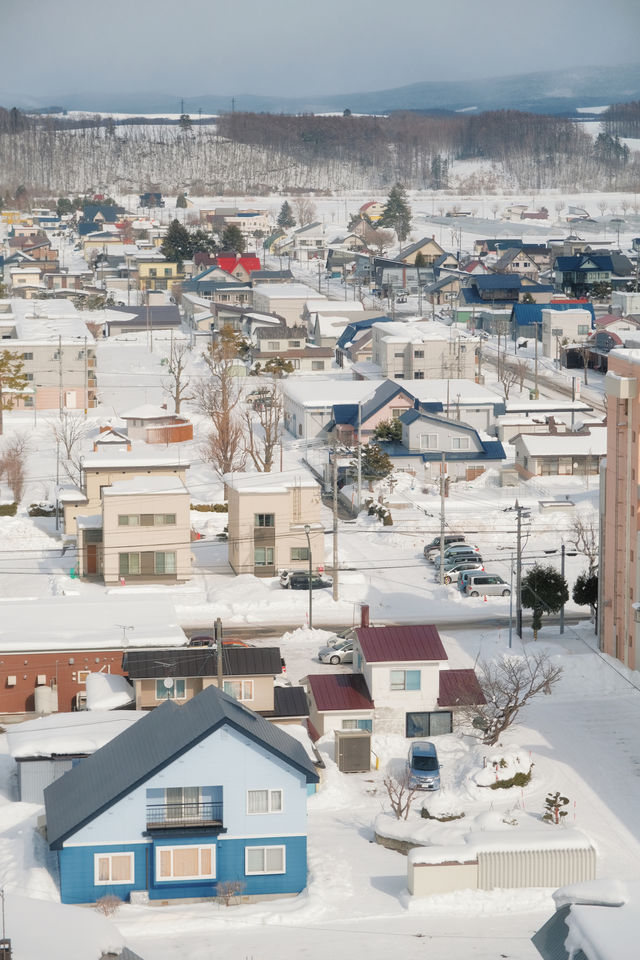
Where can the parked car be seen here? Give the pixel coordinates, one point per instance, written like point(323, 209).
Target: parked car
point(487, 584)
point(452, 573)
point(207, 640)
point(342, 652)
point(348, 634)
point(449, 540)
point(299, 580)
point(458, 552)
point(422, 766)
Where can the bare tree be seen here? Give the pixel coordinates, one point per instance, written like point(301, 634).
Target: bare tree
point(260, 445)
point(229, 892)
point(305, 210)
point(522, 368)
point(559, 207)
point(401, 795)
point(494, 210)
point(584, 349)
point(178, 384)
point(218, 398)
point(508, 376)
point(378, 240)
point(13, 464)
point(602, 206)
point(69, 431)
point(508, 684)
point(585, 537)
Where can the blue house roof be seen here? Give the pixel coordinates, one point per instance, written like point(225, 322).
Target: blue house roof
point(108, 211)
point(347, 413)
point(351, 329)
point(147, 746)
point(525, 314)
point(490, 449)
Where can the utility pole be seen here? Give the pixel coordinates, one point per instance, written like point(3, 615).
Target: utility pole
point(535, 367)
point(359, 454)
point(86, 378)
point(57, 483)
point(519, 572)
point(442, 498)
point(217, 634)
point(562, 556)
point(335, 524)
point(60, 398)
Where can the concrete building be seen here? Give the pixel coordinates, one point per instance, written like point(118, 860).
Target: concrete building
point(422, 351)
point(268, 513)
point(574, 326)
point(286, 299)
point(619, 575)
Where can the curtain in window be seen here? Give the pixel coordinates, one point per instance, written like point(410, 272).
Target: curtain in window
point(185, 862)
point(255, 859)
point(121, 868)
point(103, 869)
point(258, 801)
point(274, 859)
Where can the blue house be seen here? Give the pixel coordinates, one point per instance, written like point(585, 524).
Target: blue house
point(526, 318)
point(188, 797)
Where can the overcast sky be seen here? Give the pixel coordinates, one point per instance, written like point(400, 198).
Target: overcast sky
point(297, 47)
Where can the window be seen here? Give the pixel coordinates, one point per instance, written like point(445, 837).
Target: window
point(399, 355)
point(264, 801)
point(27, 356)
point(129, 564)
point(418, 375)
point(418, 354)
point(238, 689)
point(294, 344)
point(164, 563)
point(428, 441)
point(264, 520)
point(273, 344)
point(128, 520)
point(146, 519)
point(357, 725)
point(113, 868)
point(299, 553)
point(405, 680)
point(265, 860)
point(428, 724)
point(186, 863)
point(176, 690)
point(167, 271)
point(263, 557)
point(82, 675)
point(28, 376)
point(317, 364)
point(583, 330)
point(165, 519)
point(459, 443)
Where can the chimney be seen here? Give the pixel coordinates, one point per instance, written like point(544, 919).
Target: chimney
point(552, 425)
point(364, 615)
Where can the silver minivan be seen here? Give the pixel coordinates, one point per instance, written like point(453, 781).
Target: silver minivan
point(485, 584)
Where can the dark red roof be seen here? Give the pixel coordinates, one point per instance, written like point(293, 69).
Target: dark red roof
point(459, 687)
point(397, 644)
point(340, 691)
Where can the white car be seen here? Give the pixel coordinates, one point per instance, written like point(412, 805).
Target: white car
point(342, 652)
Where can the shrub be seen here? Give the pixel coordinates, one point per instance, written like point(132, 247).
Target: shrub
point(210, 507)
point(229, 891)
point(109, 904)
point(443, 818)
point(519, 779)
point(8, 509)
point(42, 510)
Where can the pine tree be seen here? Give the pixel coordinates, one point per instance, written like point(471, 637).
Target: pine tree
point(12, 379)
point(585, 590)
point(375, 463)
point(397, 212)
point(181, 200)
point(390, 430)
point(233, 238)
point(285, 217)
point(544, 591)
point(177, 243)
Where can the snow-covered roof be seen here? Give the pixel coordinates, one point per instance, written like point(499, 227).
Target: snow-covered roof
point(269, 482)
point(323, 392)
point(119, 458)
point(546, 405)
point(144, 485)
point(286, 291)
point(440, 390)
point(340, 306)
point(604, 919)
point(414, 332)
point(71, 495)
point(565, 444)
point(66, 733)
point(108, 691)
point(47, 320)
point(545, 838)
point(146, 411)
point(331, 326)
point(67, 623)
point(92, 522)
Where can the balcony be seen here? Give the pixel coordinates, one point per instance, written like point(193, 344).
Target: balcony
point(171, 816)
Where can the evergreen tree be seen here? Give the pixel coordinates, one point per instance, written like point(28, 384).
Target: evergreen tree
point(544, 591)
point(375, 462)
point(390, 430)
point(12, 379)
point(233, 238)
point(186, 122)
point(420, 260)
point(181, 201)
point(286, 217)
point(585, 591)
point(177, 244)
point(397, 212)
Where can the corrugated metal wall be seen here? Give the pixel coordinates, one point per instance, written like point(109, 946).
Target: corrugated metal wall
point(535, 868)
point(35, 775)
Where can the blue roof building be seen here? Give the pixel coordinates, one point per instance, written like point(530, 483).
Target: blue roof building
point(186, 798)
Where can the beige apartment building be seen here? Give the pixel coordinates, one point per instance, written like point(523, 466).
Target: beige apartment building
point(619, 572)
point(268, 513)
point(287, 300)
point(57, 352)
point(422, 351)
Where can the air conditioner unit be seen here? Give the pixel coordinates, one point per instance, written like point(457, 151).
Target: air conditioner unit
point(12, 681)
point(353, 751)
point(41, 679)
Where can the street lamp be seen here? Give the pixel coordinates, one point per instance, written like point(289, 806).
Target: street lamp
point(307, 530)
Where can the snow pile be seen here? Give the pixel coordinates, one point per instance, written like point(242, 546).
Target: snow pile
point(40, 928)
point(68, 733)
point(502, 766)
point(108, 691)
point(532, 838)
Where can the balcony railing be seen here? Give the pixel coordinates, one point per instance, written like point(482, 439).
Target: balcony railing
point(162, 816)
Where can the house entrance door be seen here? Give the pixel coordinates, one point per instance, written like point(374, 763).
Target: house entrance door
point(92, 558)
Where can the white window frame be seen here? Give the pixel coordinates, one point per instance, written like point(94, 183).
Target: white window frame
point(270, 805)
point(459, 443)
point(172, 692)
point(264, 871)
point(432, 441)
point(97, 857)
point(186, 846)
point(246, 689)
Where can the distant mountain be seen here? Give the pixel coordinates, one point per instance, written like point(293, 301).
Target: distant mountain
point(557, 91)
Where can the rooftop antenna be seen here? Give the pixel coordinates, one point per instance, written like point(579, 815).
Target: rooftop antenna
point(125, 641)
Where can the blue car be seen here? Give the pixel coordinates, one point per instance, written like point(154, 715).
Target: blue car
point(423, 766)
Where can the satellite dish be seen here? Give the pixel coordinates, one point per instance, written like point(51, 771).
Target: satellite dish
point(168, 682)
